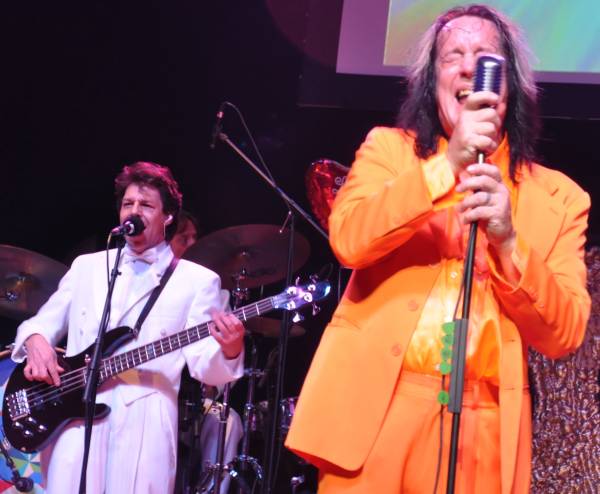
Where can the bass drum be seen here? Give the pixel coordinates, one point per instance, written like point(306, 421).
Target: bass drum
point(28, 465)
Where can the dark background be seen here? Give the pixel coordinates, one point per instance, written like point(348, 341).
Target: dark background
point(87, 87)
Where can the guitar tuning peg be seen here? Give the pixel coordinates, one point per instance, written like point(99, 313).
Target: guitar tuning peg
point(315, 309)
point(297, 282)
point(297, 317)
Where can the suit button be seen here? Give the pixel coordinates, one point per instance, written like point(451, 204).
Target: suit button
point(397, 350)
point(413, 305)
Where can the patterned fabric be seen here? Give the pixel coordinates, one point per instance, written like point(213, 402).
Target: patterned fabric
point(566, 409)
point(27, 465)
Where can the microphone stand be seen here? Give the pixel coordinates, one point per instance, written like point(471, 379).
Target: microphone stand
point(459, 354)
point(93, 368)
point(289, 202)
point(293, 207)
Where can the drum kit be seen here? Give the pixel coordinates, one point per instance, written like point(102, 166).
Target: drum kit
point(246, 257)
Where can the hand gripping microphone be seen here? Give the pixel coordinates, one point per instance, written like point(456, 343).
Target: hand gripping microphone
point(488, 77)
point(132, 226)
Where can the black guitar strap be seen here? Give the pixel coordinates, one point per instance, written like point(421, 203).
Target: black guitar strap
point(154, 295)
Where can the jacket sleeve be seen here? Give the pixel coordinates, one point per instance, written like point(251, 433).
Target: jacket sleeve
point(205, 360)
point(386, 197)
point(551, 305)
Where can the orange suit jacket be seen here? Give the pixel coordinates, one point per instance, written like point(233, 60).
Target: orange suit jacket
point(378, 227)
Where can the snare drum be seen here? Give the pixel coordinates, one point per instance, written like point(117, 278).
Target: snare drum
point(28, 465)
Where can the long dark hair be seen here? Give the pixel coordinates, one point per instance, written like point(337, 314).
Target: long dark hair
point(419, 111)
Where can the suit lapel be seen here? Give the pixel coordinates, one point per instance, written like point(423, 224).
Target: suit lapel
point(139, 289)
point(132, 287)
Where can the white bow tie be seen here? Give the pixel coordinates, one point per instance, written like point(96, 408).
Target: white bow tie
point(149, 256)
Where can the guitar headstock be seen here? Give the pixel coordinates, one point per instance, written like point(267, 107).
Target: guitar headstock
point(297, 296)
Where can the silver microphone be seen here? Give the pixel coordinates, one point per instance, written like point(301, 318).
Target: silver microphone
point(488, 77)
point(488, 74)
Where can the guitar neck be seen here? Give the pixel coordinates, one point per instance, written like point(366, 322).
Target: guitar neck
point(122, 362)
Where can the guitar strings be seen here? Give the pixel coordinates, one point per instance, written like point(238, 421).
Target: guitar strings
point(41, 393)
point(76, 378)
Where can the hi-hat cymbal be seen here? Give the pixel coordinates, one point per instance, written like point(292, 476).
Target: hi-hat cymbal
point(270, 327)
point(27, 279)
point(257, 254)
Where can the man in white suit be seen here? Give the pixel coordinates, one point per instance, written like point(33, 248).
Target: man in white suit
point(133, 449)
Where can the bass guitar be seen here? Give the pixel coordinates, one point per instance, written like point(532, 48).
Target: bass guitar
point(33, 413)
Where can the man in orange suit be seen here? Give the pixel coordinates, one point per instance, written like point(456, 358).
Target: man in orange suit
point(368, 414)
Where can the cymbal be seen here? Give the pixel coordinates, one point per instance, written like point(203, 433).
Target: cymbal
point(27, 279)
point(270, 327)
point(257, 254)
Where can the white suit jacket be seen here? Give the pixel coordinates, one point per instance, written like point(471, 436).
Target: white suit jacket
point(76, 308)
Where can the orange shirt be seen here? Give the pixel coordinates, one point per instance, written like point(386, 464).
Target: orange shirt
point(424, 351)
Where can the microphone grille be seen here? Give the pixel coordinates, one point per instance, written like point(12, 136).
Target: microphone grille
point(488, 74)
point(136, 225)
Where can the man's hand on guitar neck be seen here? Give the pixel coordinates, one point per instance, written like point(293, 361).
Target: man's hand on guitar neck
point(42, 363)
point(228, 330)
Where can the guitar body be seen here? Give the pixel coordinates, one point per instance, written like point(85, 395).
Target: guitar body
point(32, 427)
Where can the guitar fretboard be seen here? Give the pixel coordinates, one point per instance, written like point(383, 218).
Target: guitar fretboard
point(122, 362)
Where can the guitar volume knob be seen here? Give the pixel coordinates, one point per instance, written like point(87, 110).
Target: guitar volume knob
point(18, 425)
point(31, 420)
point(27, 434)
point(42, 428)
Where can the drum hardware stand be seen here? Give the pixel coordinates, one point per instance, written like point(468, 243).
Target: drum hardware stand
point(15, 295)
point(296, 481)
point(22, 484)
point(10, 296)
point(218, 468)
point(192, 409)
point(249, 414)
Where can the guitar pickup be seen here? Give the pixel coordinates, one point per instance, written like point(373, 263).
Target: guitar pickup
point(18, 405)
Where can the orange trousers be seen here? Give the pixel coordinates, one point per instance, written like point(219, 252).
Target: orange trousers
point(404, 458)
